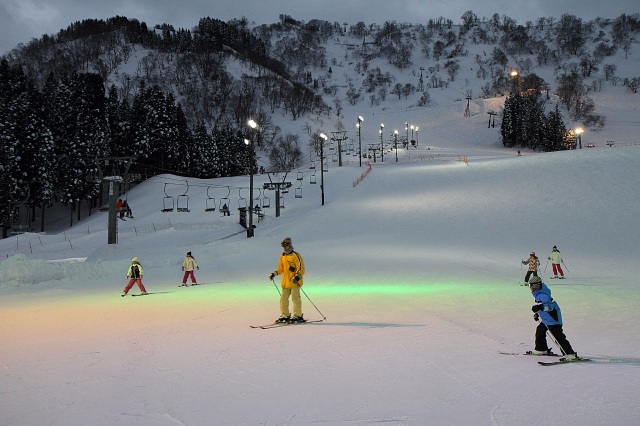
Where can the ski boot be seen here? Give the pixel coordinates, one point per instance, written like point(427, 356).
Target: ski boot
point(283, 319)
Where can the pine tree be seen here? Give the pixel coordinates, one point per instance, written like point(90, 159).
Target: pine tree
point(37, 156)
point(554, 131)
point(9, 112)
point(204, 163)
point(511, 121)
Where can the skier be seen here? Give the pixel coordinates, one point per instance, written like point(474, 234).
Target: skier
point(291, 267)
point(188, 265)
point(119, 208)
point(135, 272)
point(555, 259)
point(127, 209)
point(225, 210)
point(533, 263)
point(548, 312)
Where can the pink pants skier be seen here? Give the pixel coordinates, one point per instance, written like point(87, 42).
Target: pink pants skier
point(133, 281)
point(188, 274)
point(557, 269)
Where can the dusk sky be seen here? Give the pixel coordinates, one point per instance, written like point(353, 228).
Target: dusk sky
point(23, 20)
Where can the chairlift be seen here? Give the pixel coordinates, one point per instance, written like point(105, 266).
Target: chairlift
point(313, 165)
point(256, 201)
point(223, 207)
point(168, 202)
point(266, 201)
point(299, 176)
point(299, 190)
point(183, 200)
point(325, 165)
point(242, 202)
point(282, 200)
point(312, 178)
point(210, 202)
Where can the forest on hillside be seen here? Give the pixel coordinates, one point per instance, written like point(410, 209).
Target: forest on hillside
point(178, 100)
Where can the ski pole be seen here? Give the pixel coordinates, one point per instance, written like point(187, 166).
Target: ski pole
point(552, 336)
point(545, 265)
point(565, 265)
point(274, 284)
point(314, 305)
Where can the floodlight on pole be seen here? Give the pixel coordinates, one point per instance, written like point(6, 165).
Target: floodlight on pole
point(250, 144)
point(395, 142)
point(381, 143)
point(323, 138)
point(359, 125)
point(406, 127)
point(579, 132)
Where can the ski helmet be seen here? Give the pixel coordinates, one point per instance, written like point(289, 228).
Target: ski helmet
point(535, 283)
point(286, 241)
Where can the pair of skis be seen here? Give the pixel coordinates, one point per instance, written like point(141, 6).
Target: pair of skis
point(561, 360)
point(283, 324)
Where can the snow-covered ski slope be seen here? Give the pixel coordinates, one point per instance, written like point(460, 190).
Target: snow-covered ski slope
point(416, 268)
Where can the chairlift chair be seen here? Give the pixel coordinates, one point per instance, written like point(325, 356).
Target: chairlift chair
point(183, 201)
point(266, 201)
point(242, 202)
point(299, 176)
point(210, 202)
point(168, 203)
point(256, 201)
point(224, 208)
point(299, 190)
point(312, 178)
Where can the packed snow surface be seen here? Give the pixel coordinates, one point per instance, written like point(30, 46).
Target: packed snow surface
point(416, 268)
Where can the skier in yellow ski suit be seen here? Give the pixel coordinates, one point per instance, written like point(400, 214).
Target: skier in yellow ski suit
point(291, 267)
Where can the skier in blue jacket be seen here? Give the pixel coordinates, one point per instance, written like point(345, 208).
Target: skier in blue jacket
point(548, 311)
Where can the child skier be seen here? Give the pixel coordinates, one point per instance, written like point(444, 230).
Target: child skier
point(533, 263)
point(188, 265)
point(135, 272)
point(548, 312)
point(555, 259)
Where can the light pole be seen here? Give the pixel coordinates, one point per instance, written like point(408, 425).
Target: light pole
point(395, 141)
point(381, 144)
point(514, 80)
point(416, 136)
point(406, 127)
point(579, 132)
point(253, 126)
point(323, 138)
point(360, 120)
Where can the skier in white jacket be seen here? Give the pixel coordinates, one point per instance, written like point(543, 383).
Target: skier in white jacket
point(556, 259)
